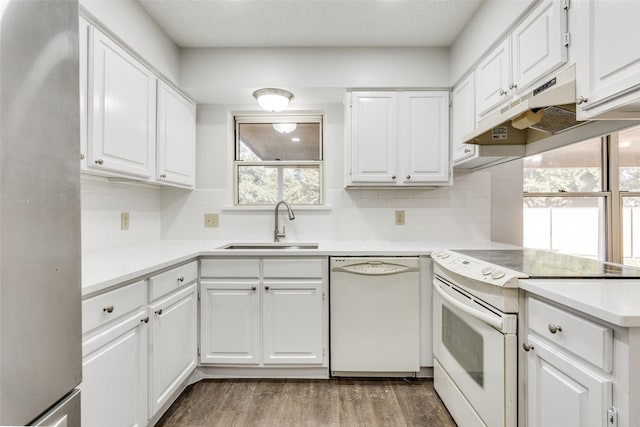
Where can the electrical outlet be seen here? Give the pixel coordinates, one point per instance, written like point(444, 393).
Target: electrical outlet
point(399, 217)
point(210, 220)
point(124, 220)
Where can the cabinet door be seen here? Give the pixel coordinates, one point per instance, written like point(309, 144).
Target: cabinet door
point(463, 118)
point(230, 322)
point(293, 322)
point(608, 65)
point(561, 392)
point(423, 134)
point(373, 137)
point(173, 344)
point(176, 138)
point(114, 375)
point(493, 79)
point(83, 52)
point(538, 46)
point(123, 111)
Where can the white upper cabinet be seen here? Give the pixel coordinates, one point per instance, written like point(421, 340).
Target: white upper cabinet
point(176, 138)
point(397, 139)
point(373, 137)
point(608, 60)
point(122, 113)
point(463, 118)
point(535, 48)
point(83, 42)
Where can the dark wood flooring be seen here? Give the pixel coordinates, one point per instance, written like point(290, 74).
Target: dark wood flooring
point(282, 403)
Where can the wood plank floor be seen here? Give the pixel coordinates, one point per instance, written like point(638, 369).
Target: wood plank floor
point(283, 403)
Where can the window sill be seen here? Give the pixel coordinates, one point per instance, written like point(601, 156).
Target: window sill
point(296, 209)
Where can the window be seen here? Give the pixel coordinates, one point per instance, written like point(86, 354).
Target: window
point(278, 158)
point(584, 199)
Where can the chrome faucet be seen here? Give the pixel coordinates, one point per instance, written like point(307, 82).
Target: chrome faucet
point(276, 233)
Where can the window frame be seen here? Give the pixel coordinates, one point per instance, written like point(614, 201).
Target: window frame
point(301, 117)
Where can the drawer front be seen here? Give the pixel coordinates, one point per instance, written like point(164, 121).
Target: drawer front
point(171, 280)
point(584, 338)
point(294, 268)
point(230, 268)
point(103, 308)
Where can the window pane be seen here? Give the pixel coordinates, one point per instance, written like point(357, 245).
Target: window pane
point(631, 230)
point(574, 168)
point(258, 185)
point(629, 159)
point(569, 225)
point(279, 141)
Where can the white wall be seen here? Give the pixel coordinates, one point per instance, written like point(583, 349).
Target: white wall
point(489, 25)
point(314, 75)
point(129, 21)
point(102, 202)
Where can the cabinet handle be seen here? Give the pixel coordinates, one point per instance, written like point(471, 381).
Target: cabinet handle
point(181, 279)
point(253, 288)
point(266, 288)
point(158, 312)
point(581, 100)
point(145, 320)
point(467, 150)
point(108, 309)
point(81, 156)
point(502, 92)
point(408, 176)
point(554, 328)
point(527, 347)
point(513, 86)
point(393, 177)
point(163, 176)
point(99, 162)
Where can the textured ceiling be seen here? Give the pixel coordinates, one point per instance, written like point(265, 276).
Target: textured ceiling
point(311, 23)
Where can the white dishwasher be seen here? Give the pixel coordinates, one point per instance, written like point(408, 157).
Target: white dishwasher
point(375, 316)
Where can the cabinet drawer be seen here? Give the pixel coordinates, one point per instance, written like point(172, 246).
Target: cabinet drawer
point(230, 268)
point(591, 341)
point(296, 268)
point(103, 308)
point(170, 280)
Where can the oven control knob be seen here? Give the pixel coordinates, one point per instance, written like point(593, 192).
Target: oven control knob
point(498, 274)
point(486, 271)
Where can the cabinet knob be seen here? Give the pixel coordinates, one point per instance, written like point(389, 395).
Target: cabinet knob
point(108, 309)
point(502, 92)
point(527, 347)
point(266, 288)
point(253, 288)
point(467, 150)
point(81, 156)
point(163, 176)
point(513, 86)
point(181, 279)
point(581, 100)
point(393, 177)
point(554, 328)
point(145, 320)
point(158, 312)
point(99, 162)
point(408, 176)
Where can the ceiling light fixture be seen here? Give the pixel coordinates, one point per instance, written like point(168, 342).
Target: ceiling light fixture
point(285, 127)
point(272, 99)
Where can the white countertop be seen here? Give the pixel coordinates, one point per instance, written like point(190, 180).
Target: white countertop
point(615, 301)
point(105, 269)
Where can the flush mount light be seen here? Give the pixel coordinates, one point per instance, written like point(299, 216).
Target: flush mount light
point(272, 99)
point(285, 127)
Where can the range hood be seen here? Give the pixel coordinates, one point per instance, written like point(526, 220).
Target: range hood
point(547, 110)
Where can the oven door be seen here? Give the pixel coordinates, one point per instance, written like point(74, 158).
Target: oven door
point(476, 346)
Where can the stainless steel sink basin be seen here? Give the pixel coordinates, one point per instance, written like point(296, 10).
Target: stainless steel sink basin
point(271, 245)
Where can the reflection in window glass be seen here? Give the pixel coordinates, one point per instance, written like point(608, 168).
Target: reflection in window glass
point(569, 225)
point(631, 230)
point(279, 141)
point(574, 168)
point(629, 159)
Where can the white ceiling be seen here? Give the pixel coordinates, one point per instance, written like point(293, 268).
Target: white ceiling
point(311, 23)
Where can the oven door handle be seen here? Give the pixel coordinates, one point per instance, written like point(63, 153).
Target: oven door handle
point(490, 320)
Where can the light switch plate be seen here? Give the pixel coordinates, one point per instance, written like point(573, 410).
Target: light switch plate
point(124, 220)
point(399, 217)
point(210, 220)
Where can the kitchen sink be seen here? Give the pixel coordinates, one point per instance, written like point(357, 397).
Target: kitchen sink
point(271, 245)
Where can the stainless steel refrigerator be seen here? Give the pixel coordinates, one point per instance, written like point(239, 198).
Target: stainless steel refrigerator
point(40, 271)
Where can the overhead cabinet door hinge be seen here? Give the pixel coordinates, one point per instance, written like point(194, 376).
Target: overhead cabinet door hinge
point(198, 294)
point(567, 38)
point(566, 4)
point(198, 350)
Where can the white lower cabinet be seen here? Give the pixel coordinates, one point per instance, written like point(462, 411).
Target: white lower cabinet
point(173, 345)
point(264, 312)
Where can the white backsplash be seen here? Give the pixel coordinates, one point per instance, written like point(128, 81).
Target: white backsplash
point(462, 211)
